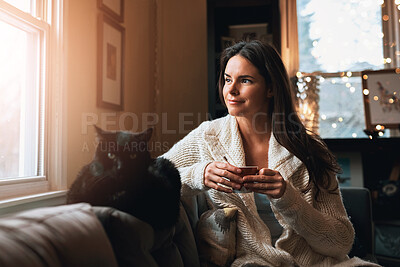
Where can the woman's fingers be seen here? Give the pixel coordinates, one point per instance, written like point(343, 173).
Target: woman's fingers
point(229, 173)
point(268, 182)
point(222, 176)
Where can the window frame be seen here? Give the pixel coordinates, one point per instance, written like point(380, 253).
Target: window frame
point(52, 138)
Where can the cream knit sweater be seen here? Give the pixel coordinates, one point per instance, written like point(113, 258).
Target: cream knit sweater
point(314, 233)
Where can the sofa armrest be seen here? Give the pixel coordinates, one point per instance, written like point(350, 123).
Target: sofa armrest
point(68, 235)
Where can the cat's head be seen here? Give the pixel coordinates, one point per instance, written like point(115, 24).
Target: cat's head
point(121, 152)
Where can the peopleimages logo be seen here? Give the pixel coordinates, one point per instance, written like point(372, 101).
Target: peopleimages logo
point(181, 124)
point(113, 120)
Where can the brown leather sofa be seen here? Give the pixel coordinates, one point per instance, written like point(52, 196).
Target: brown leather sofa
point(82, 235)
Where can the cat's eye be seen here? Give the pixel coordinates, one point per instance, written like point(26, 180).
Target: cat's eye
point(132, 156)
point(111, 155)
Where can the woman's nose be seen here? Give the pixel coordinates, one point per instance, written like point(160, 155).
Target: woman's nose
point(232, 89)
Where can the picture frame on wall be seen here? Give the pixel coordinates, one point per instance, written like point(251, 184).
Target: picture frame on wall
point(110, 66)
point(381, 92)
point(113, 8)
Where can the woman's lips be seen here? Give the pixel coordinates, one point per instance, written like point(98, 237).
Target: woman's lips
point(234, 102)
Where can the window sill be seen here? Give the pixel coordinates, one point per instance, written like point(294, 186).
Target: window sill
point(17, 204)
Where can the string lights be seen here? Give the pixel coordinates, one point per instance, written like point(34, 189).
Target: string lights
point(308, 99)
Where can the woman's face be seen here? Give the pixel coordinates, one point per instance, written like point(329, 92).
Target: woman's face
point(245, 92)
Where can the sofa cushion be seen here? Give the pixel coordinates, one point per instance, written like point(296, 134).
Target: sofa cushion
point(132, 239)
point(136, 243)
point(216, 234)
point(69, 235)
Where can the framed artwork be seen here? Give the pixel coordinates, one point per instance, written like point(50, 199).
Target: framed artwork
point(113, 8)
point(381, 90)
point(110, 65)
point(250, 32)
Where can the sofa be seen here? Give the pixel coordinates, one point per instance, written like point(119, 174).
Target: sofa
point(83, 235)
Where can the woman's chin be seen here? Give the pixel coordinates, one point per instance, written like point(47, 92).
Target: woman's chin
point(235, 112)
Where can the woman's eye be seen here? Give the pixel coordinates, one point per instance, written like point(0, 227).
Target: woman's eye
point(246, 81)
point(227, 80)
point(132, 156)
point(111, 155)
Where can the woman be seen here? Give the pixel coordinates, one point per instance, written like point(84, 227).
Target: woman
point(295, 216)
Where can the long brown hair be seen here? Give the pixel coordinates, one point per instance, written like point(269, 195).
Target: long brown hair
point(286, 124)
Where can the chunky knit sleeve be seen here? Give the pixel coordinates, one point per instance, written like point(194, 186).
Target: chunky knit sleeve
point(324, 224)
point(190, 155)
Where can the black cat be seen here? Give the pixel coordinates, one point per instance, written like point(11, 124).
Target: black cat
point(124, 176)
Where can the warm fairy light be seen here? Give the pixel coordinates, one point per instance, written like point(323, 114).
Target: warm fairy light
point(397, 2)
point(366, 92)
point(315, 43)
point(398, 7)
point(323, 116)
point(391, 101)
point(345, 79)
point(387, 60)
point(322, 79)
point(381, 2)
point(381, 35)
point(349, 74)
point(299, 74)
point(376, 98)
point(334, 125)
point(385, 17)
point(308, 79)
point(348, 85)
point(378, 127)
point(333, 81)
point(365, 76)
point(380, 133)
point(352, 89)
point(354, 135)
point(340, 119)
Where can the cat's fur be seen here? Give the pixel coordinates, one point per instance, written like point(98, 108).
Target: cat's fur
point(123, 175)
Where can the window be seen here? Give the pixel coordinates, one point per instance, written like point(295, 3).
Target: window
point(30, 82)
point(337, 40)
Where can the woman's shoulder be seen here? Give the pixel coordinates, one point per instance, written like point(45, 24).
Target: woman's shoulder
point(214, 126)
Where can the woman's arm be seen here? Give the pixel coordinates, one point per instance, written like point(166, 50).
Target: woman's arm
point(190, 156)
point(325, 226)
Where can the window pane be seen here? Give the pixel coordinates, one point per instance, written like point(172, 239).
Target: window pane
point(339, 118)
point(340, 35)
point(18, 102)
point(24, 5)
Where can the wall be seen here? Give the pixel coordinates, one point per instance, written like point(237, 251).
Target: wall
point(182, 28)
point(177, 69)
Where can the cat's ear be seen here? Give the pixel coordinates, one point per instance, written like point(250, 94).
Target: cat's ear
point(100, 132)
point(145, 135)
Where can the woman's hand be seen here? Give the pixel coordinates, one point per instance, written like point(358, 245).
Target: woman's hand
point(268, 182)
point(217, 174)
